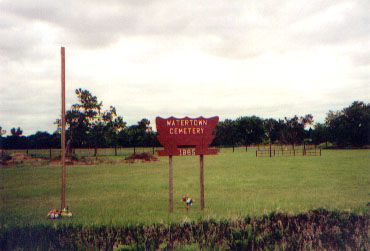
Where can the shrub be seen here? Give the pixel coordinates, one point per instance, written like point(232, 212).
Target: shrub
point(314, 230)
point(4, 157)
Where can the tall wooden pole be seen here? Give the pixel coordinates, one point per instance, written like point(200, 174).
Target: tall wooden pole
point(170, 184)
point(63, 138)
point(201, 182)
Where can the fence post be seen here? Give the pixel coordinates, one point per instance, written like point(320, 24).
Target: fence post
point(270, 150)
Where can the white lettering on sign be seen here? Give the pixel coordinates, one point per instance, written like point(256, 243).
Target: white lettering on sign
point(186, 122)
point(187, 151)
point(186, 131)
point(186, 126)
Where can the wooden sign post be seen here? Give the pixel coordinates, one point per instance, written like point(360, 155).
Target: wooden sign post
point(186, 137)
point(201, 182)
point(170, 178)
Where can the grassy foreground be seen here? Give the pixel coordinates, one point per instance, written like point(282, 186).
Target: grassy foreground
point(236, 184)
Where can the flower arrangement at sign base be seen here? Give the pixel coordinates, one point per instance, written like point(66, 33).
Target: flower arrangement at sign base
point(56, 214)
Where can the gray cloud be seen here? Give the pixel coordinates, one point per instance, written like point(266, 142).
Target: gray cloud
point(347, 23)
point(237, 30)
point(232, 32)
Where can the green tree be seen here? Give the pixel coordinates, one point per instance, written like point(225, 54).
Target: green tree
point(225, 133)
point(250, 130)
point(123, 137)
point(350, 126)
point(87, 125)
point(293, 130)
point(320, 134)
point(272, 129)
point(144, 124)
point(15, 140)
point(80, 118)
point(43, 140)
point(16, 132)
point(148, 137)
point(2, 132)
point(140, 134)
point(105, 129)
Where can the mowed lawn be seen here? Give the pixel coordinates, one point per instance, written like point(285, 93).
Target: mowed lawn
point(237, 184)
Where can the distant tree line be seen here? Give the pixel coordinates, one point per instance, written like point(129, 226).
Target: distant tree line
point(132, 136)
point(345, 128)
point(349, 127)
point(88, 126)
point(255, 130)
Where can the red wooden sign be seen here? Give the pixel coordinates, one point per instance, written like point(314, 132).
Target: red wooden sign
point(186, 136)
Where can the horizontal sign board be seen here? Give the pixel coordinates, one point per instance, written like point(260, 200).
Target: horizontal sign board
point(174, 132)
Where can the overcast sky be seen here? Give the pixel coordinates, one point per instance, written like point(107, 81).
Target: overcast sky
point(272, 59)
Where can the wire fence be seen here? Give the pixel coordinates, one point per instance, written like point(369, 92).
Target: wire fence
point(83, 152)
point(260, 150)
point(288, 150)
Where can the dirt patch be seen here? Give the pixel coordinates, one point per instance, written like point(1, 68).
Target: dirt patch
point(20, 159)
point(58, 162)
point(140, 157)
point(69, 162)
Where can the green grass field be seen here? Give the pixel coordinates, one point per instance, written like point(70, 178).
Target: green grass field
point(236, 184)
